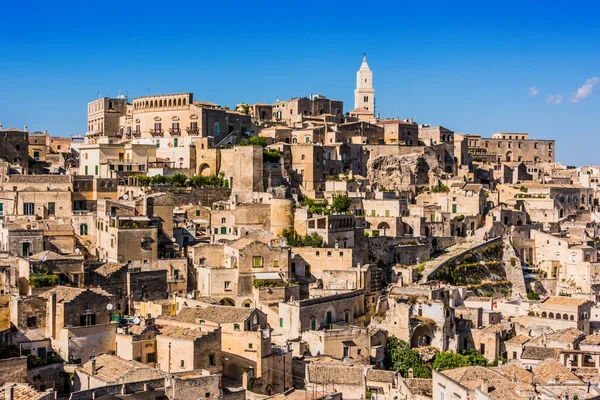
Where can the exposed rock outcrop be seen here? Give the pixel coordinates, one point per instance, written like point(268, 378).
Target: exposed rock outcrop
point(401, 172)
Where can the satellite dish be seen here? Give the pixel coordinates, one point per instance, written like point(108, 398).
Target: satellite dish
point(44, 258)
point(189, 296)
point(137, 320)
point(173, 240)
point(77, 250)
point(109, 306)
point(125, 196)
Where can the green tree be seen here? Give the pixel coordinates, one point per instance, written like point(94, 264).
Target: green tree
point(450, 360)
point(295, 240)
point(341, 203)
point(254, 141)
point(271, 155)
point(400, 357)
point(143, 180)
point(178, 180)
point(158, 180)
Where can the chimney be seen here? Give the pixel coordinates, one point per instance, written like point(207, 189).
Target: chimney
point(411, 120)
point(9, 392)
point(53, 315)
point(484, 387)
point(25, 128)
point(245, 379)
point(94, 371)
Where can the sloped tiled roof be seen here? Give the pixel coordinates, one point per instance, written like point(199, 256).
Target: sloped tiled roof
point(109, 268)
point(566, 335)
point(519, 339)
point(217, 314)
point(537, 353)
point(378, 375)
point(592, 340)
point(549, 371)
point(65, 294)
point(20, 178)
point(110, 368)
point(22, 391)
point(181, 333)
point(565, 301)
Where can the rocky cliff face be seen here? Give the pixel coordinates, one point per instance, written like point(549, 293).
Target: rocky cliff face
point(400, 172)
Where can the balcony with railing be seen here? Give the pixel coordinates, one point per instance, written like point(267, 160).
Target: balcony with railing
point(157, 132)
point(175, 131)
point(136, 134)
point(192, 131)
point(175, 278)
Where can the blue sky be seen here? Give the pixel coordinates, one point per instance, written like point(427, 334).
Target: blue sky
point(468, 66)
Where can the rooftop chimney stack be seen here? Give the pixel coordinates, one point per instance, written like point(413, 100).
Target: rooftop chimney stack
point(25, 128)
point(94, 371)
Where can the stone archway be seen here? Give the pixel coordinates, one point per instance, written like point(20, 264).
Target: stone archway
point(205, 170)
point(226, 301)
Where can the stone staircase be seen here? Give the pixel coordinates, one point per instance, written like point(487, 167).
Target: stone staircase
point(514, 273)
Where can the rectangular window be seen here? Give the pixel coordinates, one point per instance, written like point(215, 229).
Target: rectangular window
point(51, 208)
point(387, 213)
point(112, 243)
point(137, 129)
point(32, 322)
point(281, 322)
point(175, 142)
point(86, 170)
point(257, 262)
point(1, 209)
point(26, 247)
point(157, 126)
point(83, 229)
point(227, 285)
point(216, 231)
point(453, 208)
point(96, 169)
point(87, 320)
point(224, 230)
point(182, 364)
point(211, 359)
point(275, 263)
point(151, 357)
point(28, 208)
point(197, 213)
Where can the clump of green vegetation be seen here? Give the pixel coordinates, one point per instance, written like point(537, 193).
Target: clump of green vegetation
point(459, 218)
point(43, 280)
point(271, 155)
point(180, 180)
point(341, 203)
point(440, 188)
point(400, 357)
point(533, 296)
point(295, 240)
point(254, 141)
point(450, 360)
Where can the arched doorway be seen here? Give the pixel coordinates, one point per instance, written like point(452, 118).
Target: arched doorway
point(383, 226)
point(226, 301)
point(205, 170)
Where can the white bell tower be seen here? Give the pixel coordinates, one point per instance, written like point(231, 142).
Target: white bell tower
point(364, 94)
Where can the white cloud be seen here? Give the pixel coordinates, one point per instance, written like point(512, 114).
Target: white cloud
point(533, 91)
point(585, 90)
point(554, 99)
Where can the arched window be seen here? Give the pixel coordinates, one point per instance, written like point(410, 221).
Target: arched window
point(170, 103)
point(572, 318)
point(544, 315)
point(184, 102)
point(557, 315)
point(216, 128)
point(565, 316)
point(551, 315)
point(179, 102)
point(347, 316)
point(160, 103)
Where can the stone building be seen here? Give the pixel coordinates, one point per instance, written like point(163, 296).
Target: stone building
point(183, 349)
point(298, 316)
point(106, 369)
point(364, 94)
point(295, 110)
point(103, 118)
point(509, 147)
point(398, 131)
point(174, 120)
point(78, 322)
point(14, 149)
